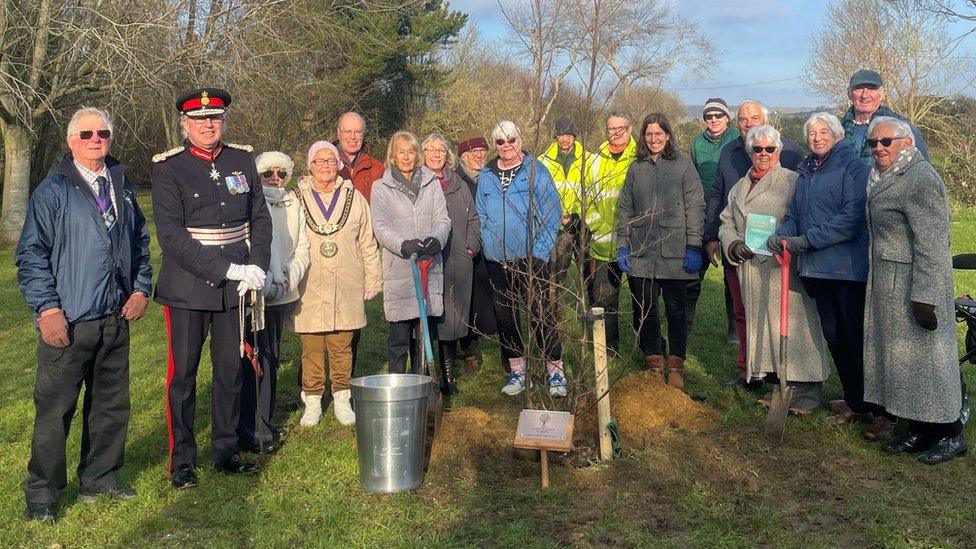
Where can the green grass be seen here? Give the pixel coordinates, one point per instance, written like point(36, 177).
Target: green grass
point(729, 487)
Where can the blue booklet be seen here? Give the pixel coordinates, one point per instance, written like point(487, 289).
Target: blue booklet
point(758, 230)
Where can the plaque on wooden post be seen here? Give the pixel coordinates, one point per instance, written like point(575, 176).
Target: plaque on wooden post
point(544, 430)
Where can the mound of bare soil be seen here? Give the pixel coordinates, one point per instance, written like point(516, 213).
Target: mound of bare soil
point(467, 437)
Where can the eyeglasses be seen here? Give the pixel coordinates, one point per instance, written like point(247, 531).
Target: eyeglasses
point(87, 134)
point(714, 116)
point(319, 162)
point(617, 129)
point(511, 141)
point(884, 141)
point(436, 152)
point(478, 150)
point(201, 120)
point(757, 149)
point(282, 174)
point(351, 132)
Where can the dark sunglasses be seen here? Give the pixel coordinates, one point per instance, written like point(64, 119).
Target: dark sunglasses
point(281, 173)
point(714, 116)
point(885, 141)
point(87, 134)
point(757, 149)
point(511, 141)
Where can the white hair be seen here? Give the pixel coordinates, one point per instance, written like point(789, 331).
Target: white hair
point(351, 114)
point(765, 131)
point(899, 126)
point(274, 159)
point(84, 112)
point(621, 114)
point(826, 119)
point(504, 130)
point(450, 158)
point(748, 102)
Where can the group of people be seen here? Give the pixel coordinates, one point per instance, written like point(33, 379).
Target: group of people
point(246, 255)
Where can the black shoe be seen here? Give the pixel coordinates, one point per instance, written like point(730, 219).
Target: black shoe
point(909, 443)
point(43, 512)
point(234, 465)
point(944, 449)
point(184, 476)
point(739, 383)
point(269, 447)
point(118, 492)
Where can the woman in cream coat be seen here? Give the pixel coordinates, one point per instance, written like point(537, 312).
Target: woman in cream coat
point(767, 190)
point(343, 275)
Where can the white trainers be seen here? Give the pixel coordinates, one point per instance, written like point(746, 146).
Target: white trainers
point(313, 411)
point(515, 384)
point(557, 384)
point(304, 396)
point(343, 407)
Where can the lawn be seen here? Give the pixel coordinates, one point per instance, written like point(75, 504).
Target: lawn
point(722, 485)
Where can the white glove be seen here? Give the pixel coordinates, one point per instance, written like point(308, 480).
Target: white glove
point(235, 272)
point(252, 279)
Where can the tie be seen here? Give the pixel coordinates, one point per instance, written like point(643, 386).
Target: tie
point(104, 200)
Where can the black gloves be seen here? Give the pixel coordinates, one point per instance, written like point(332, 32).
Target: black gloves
point(430, 246)
point(796, 244)
point(925, 315)
point(411, 247)
point(739, 253)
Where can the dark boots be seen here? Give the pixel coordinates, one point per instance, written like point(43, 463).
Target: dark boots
point(448, 352)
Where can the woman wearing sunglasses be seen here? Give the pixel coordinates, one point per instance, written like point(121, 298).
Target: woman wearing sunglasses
point(910, 361)
point(762, 197)
point(289, 260)
point(660, 221)
point(343, 274)
point(520, 215)
point(825, 226)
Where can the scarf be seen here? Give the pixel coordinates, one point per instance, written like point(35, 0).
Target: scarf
point(410, 187)
point(905, 158)
point(276, 196)
point(444, 180)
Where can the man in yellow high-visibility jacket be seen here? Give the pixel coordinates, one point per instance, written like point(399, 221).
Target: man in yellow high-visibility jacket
point(565, 159)
point(608, 172)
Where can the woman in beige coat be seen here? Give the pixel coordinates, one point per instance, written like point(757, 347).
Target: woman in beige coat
point(343, 274)
point(767, 190)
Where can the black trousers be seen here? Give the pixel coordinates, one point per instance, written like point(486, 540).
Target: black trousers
point(516, 290)
point(187, 329)
point(269, 347)
point(97, 358)
point(645, 292)
point(401, 342)
point(603, 286)
point(840, 305)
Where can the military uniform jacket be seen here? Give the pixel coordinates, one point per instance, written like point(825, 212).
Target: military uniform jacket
point(189, 192)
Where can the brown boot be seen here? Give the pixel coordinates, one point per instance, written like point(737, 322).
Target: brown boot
point(655, 364)
point(676, 368)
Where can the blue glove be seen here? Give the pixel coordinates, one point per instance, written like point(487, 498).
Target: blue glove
point(623, 258)
point(693, 260)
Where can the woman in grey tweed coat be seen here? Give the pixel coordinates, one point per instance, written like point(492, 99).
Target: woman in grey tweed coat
point(910, 357)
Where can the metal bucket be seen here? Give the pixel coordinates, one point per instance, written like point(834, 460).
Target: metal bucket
point(391, 423)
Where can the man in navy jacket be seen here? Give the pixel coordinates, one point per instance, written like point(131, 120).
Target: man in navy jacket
point(83, 268)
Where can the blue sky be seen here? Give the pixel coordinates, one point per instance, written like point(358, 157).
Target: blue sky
point(758, 41)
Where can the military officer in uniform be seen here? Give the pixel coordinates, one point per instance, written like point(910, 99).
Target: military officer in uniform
point(215, 233)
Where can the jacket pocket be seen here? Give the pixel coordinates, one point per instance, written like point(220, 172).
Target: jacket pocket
point(673, 238)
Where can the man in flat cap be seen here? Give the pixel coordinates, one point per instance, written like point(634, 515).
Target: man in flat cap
point(215, 233)
point(866, 92)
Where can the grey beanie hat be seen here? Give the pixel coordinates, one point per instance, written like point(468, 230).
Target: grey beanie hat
point(566, 126)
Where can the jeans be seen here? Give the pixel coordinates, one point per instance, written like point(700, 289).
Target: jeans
point(516, 288)
point(645, 292)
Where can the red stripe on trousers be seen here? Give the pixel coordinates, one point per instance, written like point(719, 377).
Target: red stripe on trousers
point(170, 368)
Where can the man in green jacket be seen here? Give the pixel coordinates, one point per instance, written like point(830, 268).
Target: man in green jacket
point(565, 159)
point(609, 171)
point(705, 151)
